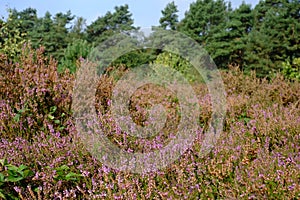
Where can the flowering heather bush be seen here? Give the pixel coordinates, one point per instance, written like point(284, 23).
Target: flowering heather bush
point(33, 96)
point(257, 156)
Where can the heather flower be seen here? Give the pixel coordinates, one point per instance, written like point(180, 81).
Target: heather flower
point(85, 173)
point(246, 157)
point(292, 187)
point(17, 189)
point(105, 169)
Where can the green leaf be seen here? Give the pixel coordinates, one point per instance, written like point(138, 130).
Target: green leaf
point(27, 173)
point(22, 110)
point(17, 117)
point(50, 117)
point(62, 168)
point(72, 176)
point(22, 167)
point(12, 173)
point(12, 168)
point(1, 178)
point(53, 109)
point(14, 179)
point(3, 162)
point(2, 195)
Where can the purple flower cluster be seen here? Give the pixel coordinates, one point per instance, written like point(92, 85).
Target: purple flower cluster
point(257, 156)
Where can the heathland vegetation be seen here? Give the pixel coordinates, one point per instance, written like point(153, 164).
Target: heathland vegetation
point(257, 156)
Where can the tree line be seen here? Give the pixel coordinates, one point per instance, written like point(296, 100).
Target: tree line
point(264, 38)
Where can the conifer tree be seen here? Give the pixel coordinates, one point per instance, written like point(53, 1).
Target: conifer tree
point(169, 20)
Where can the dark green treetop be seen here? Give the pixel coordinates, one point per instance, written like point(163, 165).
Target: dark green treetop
point(118, 21)
point(169, 20)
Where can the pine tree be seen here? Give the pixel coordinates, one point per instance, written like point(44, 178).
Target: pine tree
point(78, 29)
point(274, 36)
point(169, 20)
point(203, 19)
point(229, 44)
point(52, 33)
point(75, 50)
point(110, 23)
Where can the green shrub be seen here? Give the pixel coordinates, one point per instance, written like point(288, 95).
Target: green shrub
point(11, 174)
point(292, 70)
point(77, 49)
point(181, 65)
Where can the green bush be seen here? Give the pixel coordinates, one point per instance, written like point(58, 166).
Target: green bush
point(63, 173)
point(77, 49)
point(11, 174)
point(292, 70)
point(181, 65)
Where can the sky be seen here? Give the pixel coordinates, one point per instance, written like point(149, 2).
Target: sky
point(145, 13)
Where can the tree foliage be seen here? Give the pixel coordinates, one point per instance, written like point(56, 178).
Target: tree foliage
point(78, 49)
point(274, 35)
point(228, 44)
point(52, 33)
point(112, 22)
point(169, 20)
point(11, 37)
point(204, 19)
point(259, 38)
